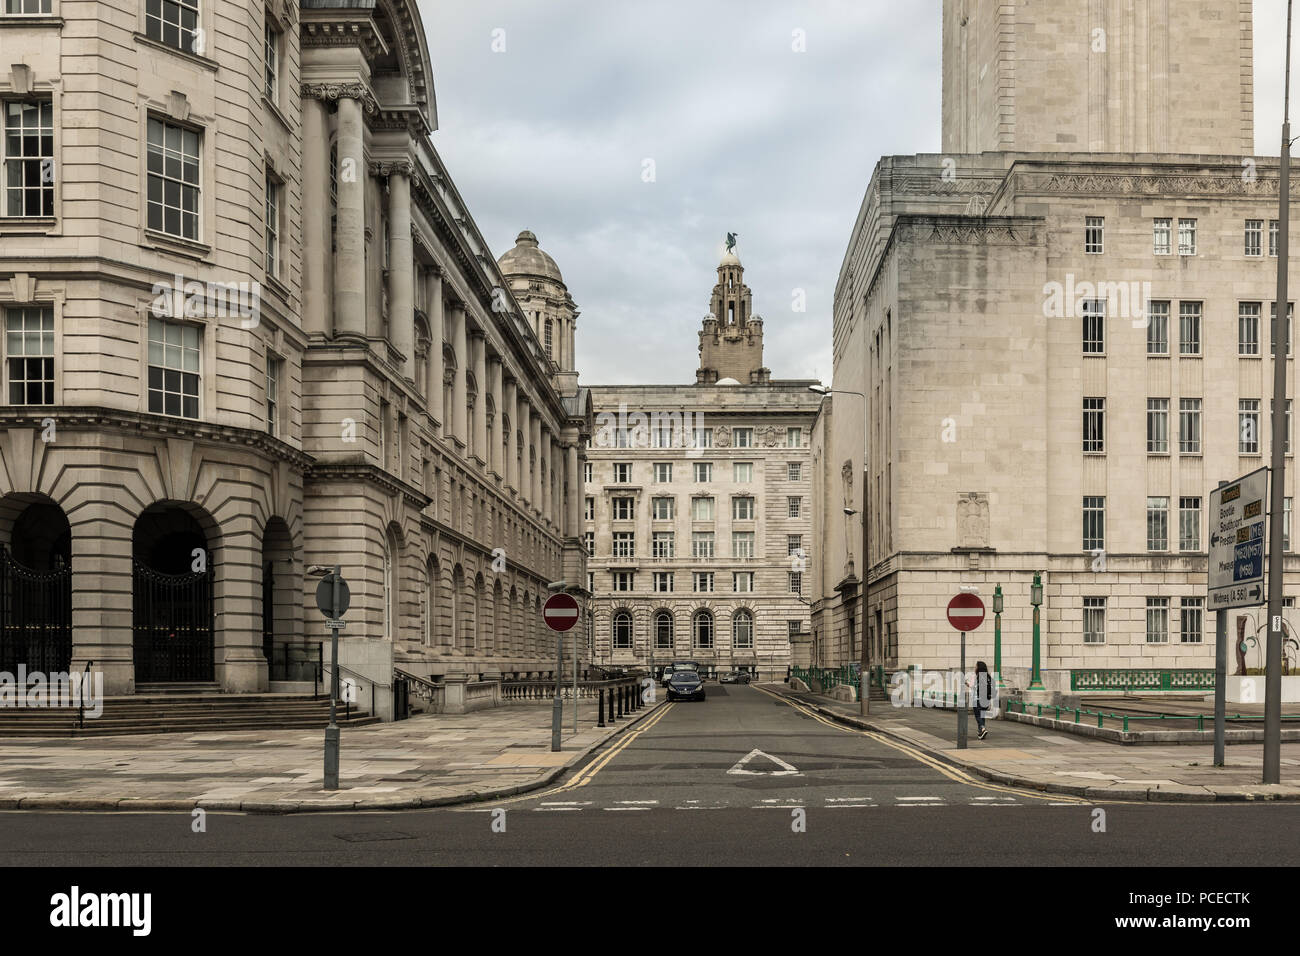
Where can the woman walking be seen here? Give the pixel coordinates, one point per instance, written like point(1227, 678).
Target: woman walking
point(983, 696)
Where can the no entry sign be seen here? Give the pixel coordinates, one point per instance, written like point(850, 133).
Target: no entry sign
point(560, 612)
point(966, 611)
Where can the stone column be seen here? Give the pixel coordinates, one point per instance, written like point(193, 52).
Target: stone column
point(574, 477)
point(524, 424)
point(557, 497)
point(350, 229)
point(401, 266)
point(535, 484)
point(459, 391)
point(511, 406)
point(478, 352)
point(316, 314)
point(437, 333)
point(544, 474)
point(495, 465)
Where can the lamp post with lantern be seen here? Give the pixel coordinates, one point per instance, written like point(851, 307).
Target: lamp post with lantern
point(1036, 599)
point(997, 634)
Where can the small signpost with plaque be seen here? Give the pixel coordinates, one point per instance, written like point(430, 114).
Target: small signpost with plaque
point(1238, 513)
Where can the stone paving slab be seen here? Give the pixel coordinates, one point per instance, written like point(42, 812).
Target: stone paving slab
point(426, 761)
point(1031, 755)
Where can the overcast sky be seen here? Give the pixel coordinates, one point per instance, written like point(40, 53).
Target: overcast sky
point(746, 135)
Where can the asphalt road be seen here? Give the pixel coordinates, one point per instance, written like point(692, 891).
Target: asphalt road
point(685, 786)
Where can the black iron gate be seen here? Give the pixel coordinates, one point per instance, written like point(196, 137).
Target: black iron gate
point(172, 624)
point(268, 612)
point(35, 617)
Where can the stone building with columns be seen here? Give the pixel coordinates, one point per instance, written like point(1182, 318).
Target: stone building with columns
point(697, 507)
point(251, 329)
point(1051, 341)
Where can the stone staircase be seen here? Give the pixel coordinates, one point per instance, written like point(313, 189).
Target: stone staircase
point(179, 709)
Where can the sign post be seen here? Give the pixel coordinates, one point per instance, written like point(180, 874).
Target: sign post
point(560, 612)
point(1238, 514)
point(333, 598)
point(965, 613)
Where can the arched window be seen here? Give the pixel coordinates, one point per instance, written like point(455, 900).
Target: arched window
point(390, 585)
point(622, 629)
point(742, 629)
point(702, 629)
point(663, 630)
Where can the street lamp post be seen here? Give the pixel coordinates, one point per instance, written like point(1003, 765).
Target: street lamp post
point(997, 634)
point(1036, 599)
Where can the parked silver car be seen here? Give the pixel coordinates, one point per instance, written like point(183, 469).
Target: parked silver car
point(735, 677)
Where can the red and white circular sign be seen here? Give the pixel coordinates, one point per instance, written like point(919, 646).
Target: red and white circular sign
point(560, 612)
point(966, 611)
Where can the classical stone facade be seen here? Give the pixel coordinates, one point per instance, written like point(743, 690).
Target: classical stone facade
point(697, 511)
point(1060, 355)
point(252, 329)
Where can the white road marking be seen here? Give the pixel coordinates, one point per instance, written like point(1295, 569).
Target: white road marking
point(787, 770)
point(634, 802)
point(919, 798)
point(616, 809)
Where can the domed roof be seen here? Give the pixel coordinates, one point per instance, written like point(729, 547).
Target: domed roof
point(729, 260)
point(526, 258)
point(727, 381)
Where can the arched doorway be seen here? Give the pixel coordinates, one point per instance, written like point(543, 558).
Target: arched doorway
point(172, 617)
point(36, 589)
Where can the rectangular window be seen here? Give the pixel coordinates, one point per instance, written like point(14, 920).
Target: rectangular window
point(622, 472)
point(663, 582)
point(173, 368)
point(742, 472)
point(1094, 620)
point(29, 355)
point(1187, 237)
point(796, 582)
point(794, 437)
point(1254, 237)
point(1248, 314)
point(591, 583)
point(27, 7)
point(1248, 426)
point(1160, 232)
point(663, 472)
point(1272, 237)
point(589, 540)
point(28, 153)
point(702, 582)
point(1189, 524)
point(703, 471)
point(703, 438)
point(701, 509)
point(742, 582)
point(1157, 426)
point(1189, 328)
point(589, 509)
point(795, 506)
point(742, 509)
point(793, 628)
point(661, 509)
point(794, 471)
point(742, 545)
point(1094, 326)
point(173, 23)
point(273, 367)
point(662, 436)
point(1272, 326)
point(624, 544)
point(272, 227)
point(624, 509)
point(793, 544)
point(1157, 524)
point(742, 438)
point(1193, 614)
point(1189, 426)
point(1094, 522)
point(1157, 620)
point(586, 472)
point(1286, 425)
point(661, 545)
point(624, 580)
point(702, 544)
point(1094, 425)
point(1093, 234)
point(173, 199)
point(1286, 524)
point(272, 55)
point(1157, 328)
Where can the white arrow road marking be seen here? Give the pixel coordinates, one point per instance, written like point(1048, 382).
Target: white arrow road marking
point(786, 771)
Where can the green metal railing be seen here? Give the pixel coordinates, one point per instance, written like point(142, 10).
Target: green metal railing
point(1146, 678)
point(829, 677)
point(1055, 711)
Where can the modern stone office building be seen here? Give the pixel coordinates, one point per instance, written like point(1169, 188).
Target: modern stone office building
point(251, 328)
point(1061, 330)
point(697, 507)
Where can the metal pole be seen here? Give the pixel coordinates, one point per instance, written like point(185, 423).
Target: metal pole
point(1220, 677)
point(557, 705)
point(575, 680)
point(864, 679)
point(1281, 341)
point(961, 697)
point(332, 731)
point(997, 639)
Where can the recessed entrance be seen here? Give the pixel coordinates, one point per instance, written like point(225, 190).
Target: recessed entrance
point(36, 589)
point(172, 618)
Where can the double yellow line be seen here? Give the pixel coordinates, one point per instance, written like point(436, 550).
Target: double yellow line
point(952, 773)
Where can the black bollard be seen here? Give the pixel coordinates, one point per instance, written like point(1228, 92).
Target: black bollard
point(600, 710)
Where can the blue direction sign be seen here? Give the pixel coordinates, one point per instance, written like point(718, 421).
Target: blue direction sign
point(1238, 514)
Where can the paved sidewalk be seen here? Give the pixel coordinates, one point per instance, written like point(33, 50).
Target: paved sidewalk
point(426, 761)
point(1039, 758)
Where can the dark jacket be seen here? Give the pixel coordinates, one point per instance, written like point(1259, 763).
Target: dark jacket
point(983, 691)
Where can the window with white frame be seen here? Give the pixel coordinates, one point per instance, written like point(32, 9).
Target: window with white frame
point(1187, 237)
point(1094, 425)
point(624, 509)
point(622, 473)
point(28, 153)
point(624, 580)
point(702, 630)
point(742, 472)
point(1272, 237)
point(622, 627)
point(742, 545)
point(272, 227)
point(796, 582)
point(27, 7)
point(702, 581)
point(1094, 620)
point(1093, 234)
point(702, 545)
point(663, 472)
point(272, 56)
point(661, 545)
point(662, 436)
point(1157, 426)
point(1157, 328)
point(742, 438)
point(625, 544)
point(795, 506)
point(1189, 328)
point(1248, 314)
point(793, 544)
point(703, 438)
point(1160, 236)
point(742, 582)
point(586, 472)
point(1189, 426)
point(1094, 326)
point(29, 354)
point(663, 582)
point(1094, 522)
point(274, 366)
point(1248, 426)
point(663, 630)
point(794, 437)
point(1286, 524)
point(661, 509)
point(589, 540)
point(173, 183)
point(1157, 620)
point(703, 472)
point(1189, 524)
point(1272, 326)
point(1192, 612)
point(742, 629)
point(1286, 425)
point(589, 509)
point(173, 368)
point(1157, 523)
point(173, 23)
point(794, 471)
point(701, 509)
point(1254, 237)
point(742, 508)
